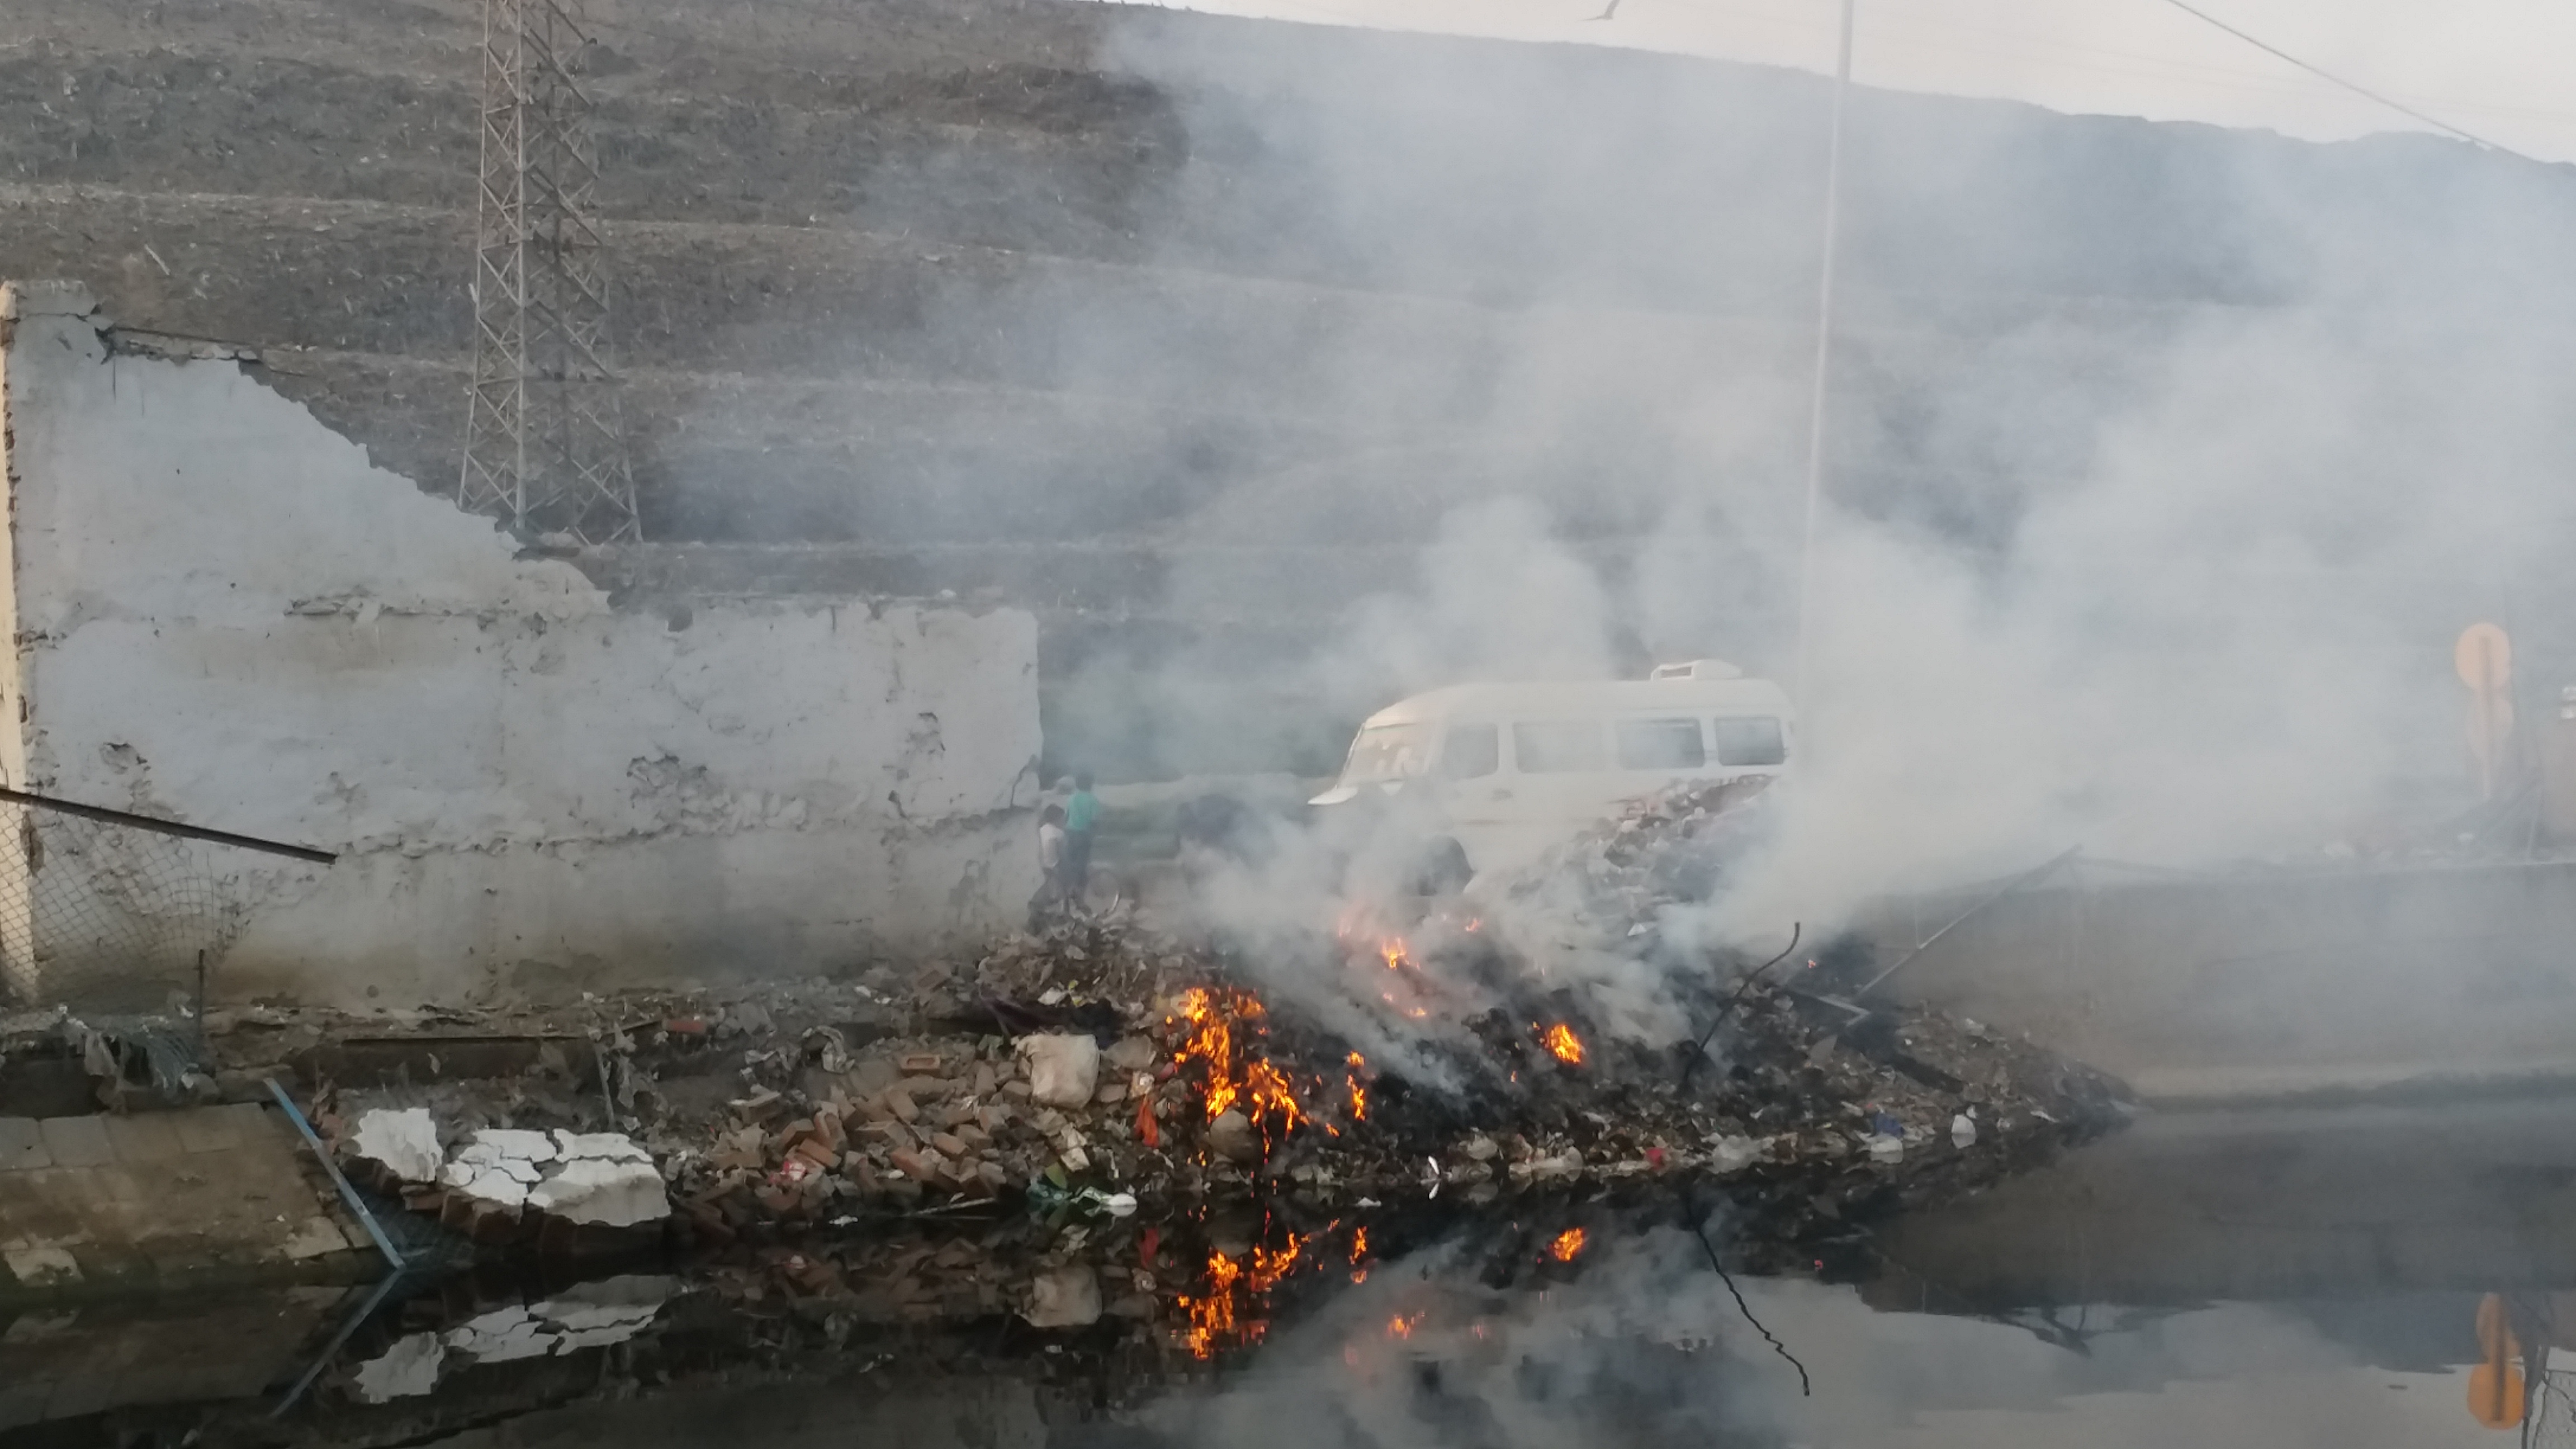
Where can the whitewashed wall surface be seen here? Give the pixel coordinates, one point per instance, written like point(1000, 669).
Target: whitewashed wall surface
point(225, 614)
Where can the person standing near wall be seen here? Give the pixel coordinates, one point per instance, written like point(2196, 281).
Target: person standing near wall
point(1081, 819)
point(1051, 863)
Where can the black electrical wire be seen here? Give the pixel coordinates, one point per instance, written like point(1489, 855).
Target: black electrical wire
point(2355, 87)
point(1699, 1049)
point(1805, 1389)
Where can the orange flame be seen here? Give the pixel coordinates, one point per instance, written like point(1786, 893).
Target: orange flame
point(1260, 1088)
point(1401, 1325)
point(1567, 1245)
point(1561, 1040)
point(1392, 951)
point(1219, 1319)
point(1359, 1094)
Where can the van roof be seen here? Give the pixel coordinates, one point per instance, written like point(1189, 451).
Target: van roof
point(1541, 700)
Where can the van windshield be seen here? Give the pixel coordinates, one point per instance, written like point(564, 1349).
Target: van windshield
point(1388, 752)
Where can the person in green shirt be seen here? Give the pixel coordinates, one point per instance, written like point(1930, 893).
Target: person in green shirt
point(1081, 818)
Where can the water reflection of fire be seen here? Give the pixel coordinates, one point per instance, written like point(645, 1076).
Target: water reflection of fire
point(1568, 1245)
point(1233, 1313)
point(1561, 1040)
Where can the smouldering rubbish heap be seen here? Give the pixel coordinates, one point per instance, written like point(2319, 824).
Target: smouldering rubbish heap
point(1107, 1067)
point(1205, 1087)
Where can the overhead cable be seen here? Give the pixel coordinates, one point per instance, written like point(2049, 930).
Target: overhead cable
point(2365, 92)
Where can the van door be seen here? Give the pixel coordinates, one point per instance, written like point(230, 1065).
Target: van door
point(1474, 792)
point(1552, 777)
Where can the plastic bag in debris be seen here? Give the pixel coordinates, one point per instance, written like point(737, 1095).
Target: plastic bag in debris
point(1064, 1068)
point(1048, 1195)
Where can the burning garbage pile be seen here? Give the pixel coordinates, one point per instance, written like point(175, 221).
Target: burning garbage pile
point(1112, 1070)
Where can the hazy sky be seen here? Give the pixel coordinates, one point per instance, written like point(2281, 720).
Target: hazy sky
point(2497, 68)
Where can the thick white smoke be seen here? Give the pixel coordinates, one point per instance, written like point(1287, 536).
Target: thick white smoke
point(2195, 609)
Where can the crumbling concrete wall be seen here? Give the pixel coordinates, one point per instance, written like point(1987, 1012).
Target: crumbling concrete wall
point(227, 615)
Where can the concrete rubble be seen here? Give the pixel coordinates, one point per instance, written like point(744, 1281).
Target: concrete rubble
point(403, 1143)
point(497, 1181)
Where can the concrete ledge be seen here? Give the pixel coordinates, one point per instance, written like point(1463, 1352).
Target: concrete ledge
point(206, 1196)
point(2268, 986)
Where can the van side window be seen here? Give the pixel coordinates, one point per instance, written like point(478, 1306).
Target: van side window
point(1553, 749)
point(1660, 744)
point(1469, 752)
point(1751, 740)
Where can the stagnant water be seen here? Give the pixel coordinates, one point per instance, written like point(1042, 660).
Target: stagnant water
point(2285, 1277)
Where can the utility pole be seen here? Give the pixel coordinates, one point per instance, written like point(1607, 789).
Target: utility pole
point(1805, 677)
point(545, 447)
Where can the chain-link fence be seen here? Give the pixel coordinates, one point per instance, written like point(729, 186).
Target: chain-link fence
point(115, 914)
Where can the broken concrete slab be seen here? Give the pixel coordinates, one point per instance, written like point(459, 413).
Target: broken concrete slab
point(144, 1137)
point(607, 1146)
point(405, 1143)
point(245, 1212)
point(46, 1267)
point(498, 1144)
point(22, 1145)
point(406, 1370)
point(78, 1141)
point(213, 1129)
point(318, 1237)
point(493, 1184)
point(595, 1192)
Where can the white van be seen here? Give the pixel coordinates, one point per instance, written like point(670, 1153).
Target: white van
point(1508, 770)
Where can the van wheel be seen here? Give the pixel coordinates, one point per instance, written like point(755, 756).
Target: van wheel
point(1444, 869)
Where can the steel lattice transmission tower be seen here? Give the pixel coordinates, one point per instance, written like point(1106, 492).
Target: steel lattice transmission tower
point(544, 442)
